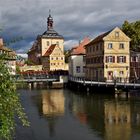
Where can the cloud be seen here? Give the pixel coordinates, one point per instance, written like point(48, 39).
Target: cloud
point(70, 44)
point(74, 19)
point(24, 55)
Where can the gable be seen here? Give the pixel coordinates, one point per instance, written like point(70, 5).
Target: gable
point(117, 35)
point(57, 51)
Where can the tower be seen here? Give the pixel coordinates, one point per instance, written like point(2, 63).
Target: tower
point(49, 22)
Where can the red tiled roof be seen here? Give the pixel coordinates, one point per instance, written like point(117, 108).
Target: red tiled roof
point(50, 50)
point(80, 48)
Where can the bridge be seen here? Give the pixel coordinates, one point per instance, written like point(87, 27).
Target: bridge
point(81, 83)
point(34, 79)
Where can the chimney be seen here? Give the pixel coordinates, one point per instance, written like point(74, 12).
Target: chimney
point(1, 41)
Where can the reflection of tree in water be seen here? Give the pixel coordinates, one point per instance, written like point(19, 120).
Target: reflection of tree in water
point(89, 109)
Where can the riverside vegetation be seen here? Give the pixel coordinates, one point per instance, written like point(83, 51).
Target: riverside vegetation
point(10, 106)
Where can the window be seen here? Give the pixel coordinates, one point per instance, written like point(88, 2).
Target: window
point(78, 69)
point(134, 59)
point(84, 69)
point(57, 43)
point(121, 46)
point(110, 46)
point(116, 34)
point(121, 73)
point(93, 49)
point(121, 59)
point(100, 46)
point(61, 58)
point(48, 43)
point(97, 48)
point(110, 59)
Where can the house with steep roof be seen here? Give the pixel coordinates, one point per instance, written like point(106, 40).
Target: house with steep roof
point(77, 59)
point(108, 57)
point(43, 52)
point(53, 59)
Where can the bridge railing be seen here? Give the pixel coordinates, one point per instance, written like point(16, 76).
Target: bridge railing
point(20, 77)
point(114, 82)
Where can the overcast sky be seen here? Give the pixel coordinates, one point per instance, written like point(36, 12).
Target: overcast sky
point(74, 19)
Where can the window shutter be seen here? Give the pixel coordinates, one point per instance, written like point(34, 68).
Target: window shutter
point(124, 59)
point(113, 59)
point(106, 59)
point(117, 59)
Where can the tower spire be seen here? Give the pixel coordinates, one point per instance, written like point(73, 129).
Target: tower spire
point(50, 21)
point(49, 11)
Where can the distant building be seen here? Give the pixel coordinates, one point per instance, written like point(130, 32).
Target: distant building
point(108, 57)
point(134, 65)
point(48, 49)
point(77, 59)
point(10, 58)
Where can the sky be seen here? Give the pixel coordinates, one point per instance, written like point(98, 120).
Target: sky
point(73, 19)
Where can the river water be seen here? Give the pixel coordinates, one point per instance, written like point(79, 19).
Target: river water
point(67, 115)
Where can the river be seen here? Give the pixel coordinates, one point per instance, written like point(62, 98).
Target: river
point(67, 115)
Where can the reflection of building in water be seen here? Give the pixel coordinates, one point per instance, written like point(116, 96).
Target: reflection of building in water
point(89, 110)
point(52, 107)
point(117, 121)
point(53, 103)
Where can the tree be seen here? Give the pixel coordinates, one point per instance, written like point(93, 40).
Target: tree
point(132, 30)
point(10, 105)
point(66, 53)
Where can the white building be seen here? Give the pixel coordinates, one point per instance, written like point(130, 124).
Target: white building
point(77, 59)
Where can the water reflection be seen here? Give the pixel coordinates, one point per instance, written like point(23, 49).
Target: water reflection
point(52, 108)
point(111, 118)
point(53, 103)
point(117, 120)
point(66, 115)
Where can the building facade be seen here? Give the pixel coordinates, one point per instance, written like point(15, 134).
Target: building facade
point(77, 59)
point(44, 49)
point(134, 66)
point(108, 57)
point(10, 57)
point(53, 59)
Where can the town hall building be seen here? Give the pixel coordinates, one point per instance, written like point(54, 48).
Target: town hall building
point(48, 49)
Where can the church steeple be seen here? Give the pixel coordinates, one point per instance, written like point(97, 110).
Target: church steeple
point(50, 21)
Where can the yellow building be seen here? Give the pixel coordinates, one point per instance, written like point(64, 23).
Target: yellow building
point(48, 49)
point(53, 59)
point(108, 57)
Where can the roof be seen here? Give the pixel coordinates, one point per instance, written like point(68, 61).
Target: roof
point(99, 38)
point(80, 49)
point(51, 34)
point(50, 50)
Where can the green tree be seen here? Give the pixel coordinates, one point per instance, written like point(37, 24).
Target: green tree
point(66, 53)
point(10, 105)
point(133, 31)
